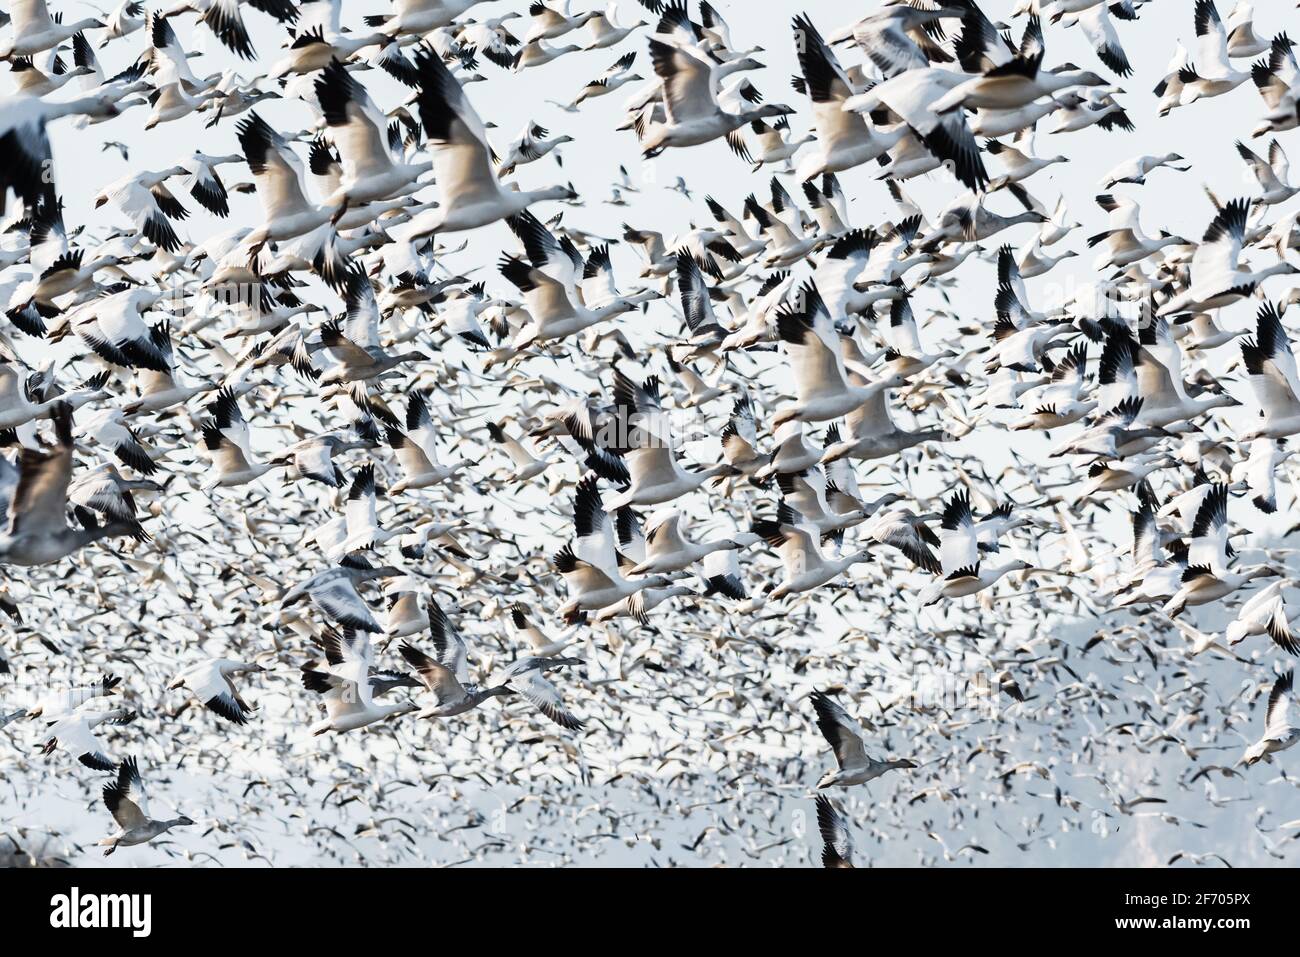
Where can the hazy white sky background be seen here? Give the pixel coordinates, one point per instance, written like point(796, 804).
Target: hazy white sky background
point(654, 824)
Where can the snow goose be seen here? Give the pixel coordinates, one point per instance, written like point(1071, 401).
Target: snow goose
point(904, 530)
point(1115, 476)
point(1018, 82)
point(278, 174)
point(871, 433)
point(405, 616)
point(55, 705)
point(1271, 370)
point(775, 143)
point(944, 133)
point(1202, 334)
point(531, 145)
point(1020, 165)
point(532, 54)
point(126, 800)
point(551, 19)
point(1207, 578)
point(715, 35)
point(669, 550)
point(640, 605)
point(1212, 74)
point(150, 206)
point(128, 17)
point(598, 289)
point(110, 432)
point(1137, 170)
point(446, 676)
point(549, 284)
point(321, 38)
point(740, 447)
point(590, 564)
point(527, 466)
point(844, 140)
point(996, 123)
point(1126, 243)
point(178, 92)
point(233, 96)
point(209, 682)
point(784, 247)
point(829, 206)
point(420, 17)
point(857, 271)
point(25, 143)
point(792, 451)
point(114, 328)
point(897, 38)
point(358, 130)
point(539, 644)
point(968, 220)
point(907, 356)
point(355, 343)
point(362, 523)
point(706, 333)
point(1034, 263)
point(1165, 399)
point(34, 31)
point(18, 406)
point(803, 564)
point(105, 491)
point(721, 575)
point(313, 458)
point(1272, 175)
point(227, 440)
point(1150, 578)
point(161, 390)
point(525, 677)
point(1112, 435)
point(1278, 81)
point(758, 313)
point(1259, 472)
point(348, 686)
point(1021, 338)
point(844, 735)
point(75, 733)
point(1279, 731)
point(1059, 402)
point(808, 492)
point(31, 80)
point(821, 380)
point(590, 436)
point(37, 532)
point(1100, 32)
point(1187, 505)
point(416, 449)
point(471, 195)
point(605, 31)
point(657, 474)
point(334, 591)
point(959, 555)
point(616, 77)
point(1242, 41)
point(698, 392)
point(692, 114)
point(59, 271)
point(1265, 612)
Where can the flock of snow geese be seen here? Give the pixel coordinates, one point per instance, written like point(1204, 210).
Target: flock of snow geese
point(400, 484)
